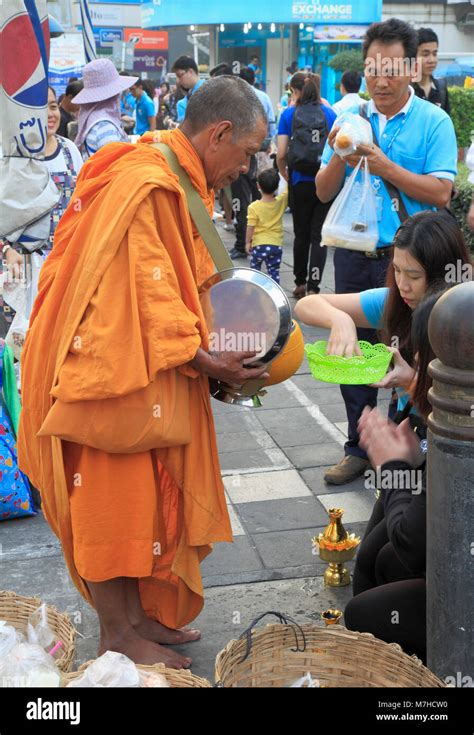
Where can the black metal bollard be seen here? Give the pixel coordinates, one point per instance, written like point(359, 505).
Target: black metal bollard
point(450, 489)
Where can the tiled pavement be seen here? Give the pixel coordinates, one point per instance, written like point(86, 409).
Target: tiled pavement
point(273, 459)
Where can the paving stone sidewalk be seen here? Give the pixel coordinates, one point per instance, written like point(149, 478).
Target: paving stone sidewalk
point(273, 459)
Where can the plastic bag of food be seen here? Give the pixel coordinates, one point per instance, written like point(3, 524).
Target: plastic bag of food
point(28, 665)
point(351, 223)
point(152, 679)
point(112, 669)
point(9, 637)
point(355, 131)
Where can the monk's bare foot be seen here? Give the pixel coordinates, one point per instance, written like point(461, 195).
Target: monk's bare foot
point(154, 631)
point(142, 651)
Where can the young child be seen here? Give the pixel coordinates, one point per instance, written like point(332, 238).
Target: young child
point(265, 225)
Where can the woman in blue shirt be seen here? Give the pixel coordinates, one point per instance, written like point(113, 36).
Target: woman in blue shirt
point(308, 212)
point(428, 248)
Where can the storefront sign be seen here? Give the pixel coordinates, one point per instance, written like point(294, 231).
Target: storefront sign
point(339, 34)
point(163, 13)
point(155, 63)
point(147, 39)
point(66, 60)
point(110, 15)
point(105, 37)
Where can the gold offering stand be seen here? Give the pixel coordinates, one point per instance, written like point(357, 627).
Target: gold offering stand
point(336, 547)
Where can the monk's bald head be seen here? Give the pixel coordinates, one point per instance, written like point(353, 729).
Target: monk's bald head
point(226, 123)
point(224, 98)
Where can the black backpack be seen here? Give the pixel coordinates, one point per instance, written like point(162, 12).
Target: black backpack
point(309, 133)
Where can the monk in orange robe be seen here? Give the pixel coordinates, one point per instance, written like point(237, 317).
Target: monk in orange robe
point(118, 308)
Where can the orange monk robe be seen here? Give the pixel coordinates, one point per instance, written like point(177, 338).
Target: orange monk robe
point(118, 301)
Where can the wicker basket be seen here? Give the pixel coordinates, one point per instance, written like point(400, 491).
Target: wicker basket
point(16, 610)
point(337, 657)
point(179, 679)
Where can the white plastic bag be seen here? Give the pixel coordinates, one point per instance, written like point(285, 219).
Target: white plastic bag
point(109, 670)
point(28, 665)
point(351, 223)
point(306, 681)
point(38, 630)
point(20, 294)
point(9, 637)
point(355, 131)
point(152, 680)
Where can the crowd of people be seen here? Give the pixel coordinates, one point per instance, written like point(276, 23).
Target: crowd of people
point(257, 164)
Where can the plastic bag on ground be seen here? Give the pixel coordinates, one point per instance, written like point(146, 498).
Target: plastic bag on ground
point(355, 131)
point(351, 223)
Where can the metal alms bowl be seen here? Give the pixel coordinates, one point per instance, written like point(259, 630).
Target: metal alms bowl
point(244, 310)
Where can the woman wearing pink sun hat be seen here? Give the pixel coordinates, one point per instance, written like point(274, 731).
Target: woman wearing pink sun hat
point(99, 120)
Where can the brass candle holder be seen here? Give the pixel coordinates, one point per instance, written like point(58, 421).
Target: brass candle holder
point(331, 616)
point(336, 547)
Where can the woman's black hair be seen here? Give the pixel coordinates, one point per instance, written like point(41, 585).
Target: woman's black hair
point(436, 241)
point(308, 84)
point(422, 349)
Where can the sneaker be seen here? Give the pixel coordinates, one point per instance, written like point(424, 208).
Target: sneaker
point(299, 291)
point(229, 228)
point(348, 469)
point(234, 254)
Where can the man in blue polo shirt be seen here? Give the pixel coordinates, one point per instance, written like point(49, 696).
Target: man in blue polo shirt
point(412, 170)
point(187, 76)
point(144, 110)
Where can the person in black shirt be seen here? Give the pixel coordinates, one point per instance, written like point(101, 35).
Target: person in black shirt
point(390, 573)
point(67, 109)
point(428, 88)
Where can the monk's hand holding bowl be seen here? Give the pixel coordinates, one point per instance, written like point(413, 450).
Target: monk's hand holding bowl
point(228, 366)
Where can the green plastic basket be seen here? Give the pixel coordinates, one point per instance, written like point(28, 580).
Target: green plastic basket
point(357, 370)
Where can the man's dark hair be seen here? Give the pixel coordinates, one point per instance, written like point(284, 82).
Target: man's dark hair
point(248, 75)
point(351, 81)
point(184, 63)
point(220, 69)
point(269, 180)
point(391, 31)
point(74, 88)
point(254, 57)
point(427, 35)
point(224, 98)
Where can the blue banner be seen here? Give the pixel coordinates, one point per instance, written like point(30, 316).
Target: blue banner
point(105, 37)
point(164, 13)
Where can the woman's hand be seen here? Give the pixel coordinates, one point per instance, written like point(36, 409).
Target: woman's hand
point(343, 337)
point(400, 376)
point(14, 262)
point(384, 441)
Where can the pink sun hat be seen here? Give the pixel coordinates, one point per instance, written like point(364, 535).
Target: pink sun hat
point(101, 81)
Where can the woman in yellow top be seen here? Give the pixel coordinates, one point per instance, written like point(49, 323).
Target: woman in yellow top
point(265, 225)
